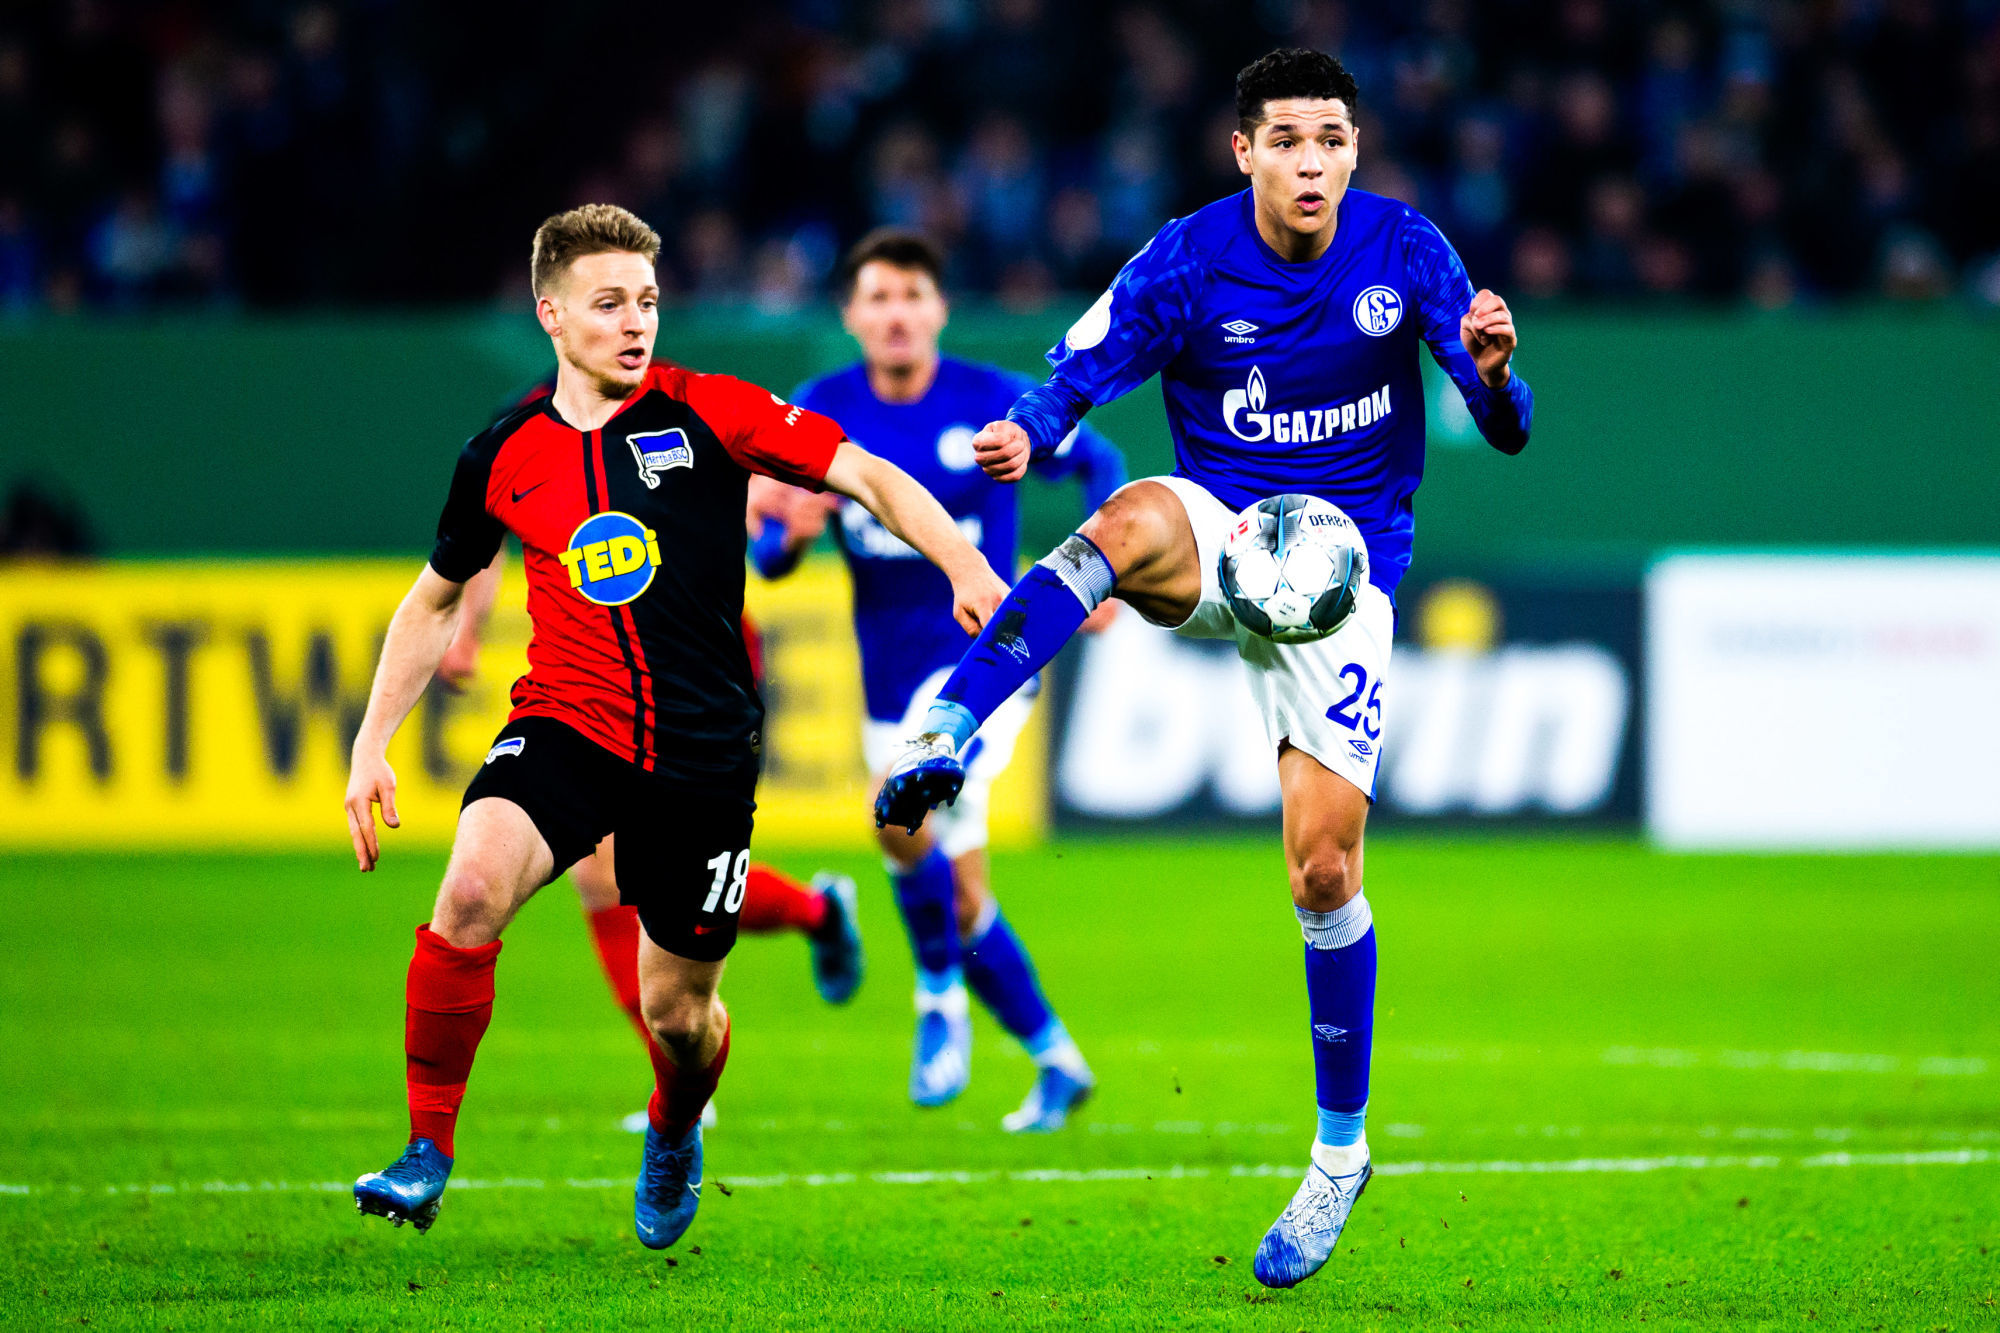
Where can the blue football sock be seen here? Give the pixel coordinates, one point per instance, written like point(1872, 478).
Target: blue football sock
point(1340, 988)
point(1037, 618)
point(1000, 974)
point(924, 893)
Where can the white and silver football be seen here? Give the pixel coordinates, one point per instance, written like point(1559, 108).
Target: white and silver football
point(1293, 567)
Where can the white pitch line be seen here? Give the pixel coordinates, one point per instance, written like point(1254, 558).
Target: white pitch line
point(1815, 1062)
point(1067, 1176)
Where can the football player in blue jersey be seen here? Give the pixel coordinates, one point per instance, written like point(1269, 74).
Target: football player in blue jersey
point(922, 409)
point(1285, 324)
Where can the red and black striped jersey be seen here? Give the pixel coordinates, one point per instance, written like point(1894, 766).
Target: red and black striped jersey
point(634, 543)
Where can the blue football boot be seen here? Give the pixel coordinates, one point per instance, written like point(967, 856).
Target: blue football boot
point(409, 1189)
point(836, 945)
point(669, 1188)
point(1056, 1093)
point(941, 1062)
point(1304, 1237)
point(926, 775)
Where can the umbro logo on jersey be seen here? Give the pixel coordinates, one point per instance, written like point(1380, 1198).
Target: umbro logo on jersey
point(1239, 331)
point(652, 462)
point(1361, 747)
point(1328, 1032)
point(512, 745)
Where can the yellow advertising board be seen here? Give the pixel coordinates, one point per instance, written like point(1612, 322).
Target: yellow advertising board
point(198, 704)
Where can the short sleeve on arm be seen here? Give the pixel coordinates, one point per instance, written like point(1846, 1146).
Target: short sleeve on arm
point(765, 433)
point(468, 536)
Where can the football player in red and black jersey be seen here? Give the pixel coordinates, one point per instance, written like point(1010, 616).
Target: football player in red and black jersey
point(824, 911)
point(638, 716)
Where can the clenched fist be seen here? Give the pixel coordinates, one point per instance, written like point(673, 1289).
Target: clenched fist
point(1002, 449)
point(1487, 330)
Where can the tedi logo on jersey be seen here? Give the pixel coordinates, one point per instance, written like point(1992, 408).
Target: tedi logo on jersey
point(1243, 412)
point(1377, 310)
point(611, 558)
point(652, 462)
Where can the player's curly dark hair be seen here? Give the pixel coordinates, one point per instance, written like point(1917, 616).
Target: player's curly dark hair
point(1291, 71)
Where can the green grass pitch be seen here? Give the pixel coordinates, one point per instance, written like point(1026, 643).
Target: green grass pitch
point(1611, 1087)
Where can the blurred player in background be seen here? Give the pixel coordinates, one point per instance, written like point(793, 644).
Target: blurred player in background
point(1284, 324)
point(638, 716)
point(773, 902)
point(921, 410)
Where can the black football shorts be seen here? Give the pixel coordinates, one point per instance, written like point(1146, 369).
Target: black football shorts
point(683, 848)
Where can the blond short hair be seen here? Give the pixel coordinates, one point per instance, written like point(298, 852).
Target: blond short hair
point(593, 229)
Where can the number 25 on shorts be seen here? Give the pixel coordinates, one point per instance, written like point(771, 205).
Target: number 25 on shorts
point(1368, 720)
point(733, 877)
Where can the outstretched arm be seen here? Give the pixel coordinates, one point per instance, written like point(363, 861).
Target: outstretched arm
point(913, 514)
point(418, 635)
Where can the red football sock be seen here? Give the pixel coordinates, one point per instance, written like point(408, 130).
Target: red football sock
point(615, 932)
point(774, 901)
point(449, 1000)
point(679, 1094)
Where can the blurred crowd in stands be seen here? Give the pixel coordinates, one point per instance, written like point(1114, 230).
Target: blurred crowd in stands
point(270, 154)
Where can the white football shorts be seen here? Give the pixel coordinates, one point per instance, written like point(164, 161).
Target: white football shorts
point(1324, 697)
point(960, 827)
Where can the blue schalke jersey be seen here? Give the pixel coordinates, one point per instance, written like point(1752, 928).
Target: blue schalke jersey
point(1287, 376)
point(902, 602)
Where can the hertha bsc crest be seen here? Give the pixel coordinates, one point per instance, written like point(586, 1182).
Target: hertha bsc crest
point(652, 462)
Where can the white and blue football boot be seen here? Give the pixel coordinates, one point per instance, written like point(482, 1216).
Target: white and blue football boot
point(409, 1189)
point(1056, 1093)
point(836, 945)
point(669, 1188)
point(1303, 1238)
point(926, 775)
point(941, 1062)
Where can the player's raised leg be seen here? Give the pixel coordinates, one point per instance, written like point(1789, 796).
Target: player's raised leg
point(1324, 818)
point(1138, 546)
point(498, 861)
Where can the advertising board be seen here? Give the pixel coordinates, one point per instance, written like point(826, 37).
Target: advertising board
point(1511, 701)
point(1823, 701)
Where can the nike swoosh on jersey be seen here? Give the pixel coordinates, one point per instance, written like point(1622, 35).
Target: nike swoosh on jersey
point(522, 495)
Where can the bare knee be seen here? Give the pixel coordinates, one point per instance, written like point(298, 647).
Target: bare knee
point(1326, 877)
point(679, 1020)
point(1134, 526)
point(471, 906)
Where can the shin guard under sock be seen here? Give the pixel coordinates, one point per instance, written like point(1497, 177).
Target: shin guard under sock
point(448, 1001)
point(1340, 988)
point(615, 932)
point(679, 1094)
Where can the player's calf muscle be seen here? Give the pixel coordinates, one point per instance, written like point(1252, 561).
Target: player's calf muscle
point(1143, 531)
